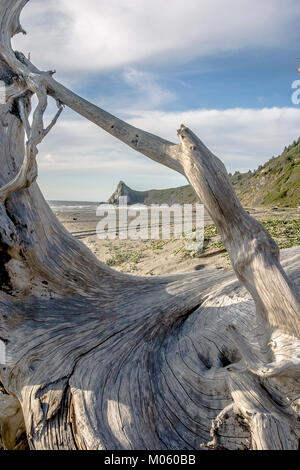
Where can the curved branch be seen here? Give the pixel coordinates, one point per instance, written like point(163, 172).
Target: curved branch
point(35, 134)
point(253, 253)
point(54, 120)
point(10, 25)
point(24, 117)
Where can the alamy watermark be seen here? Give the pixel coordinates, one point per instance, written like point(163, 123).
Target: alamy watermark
point(2, 353)
point(154, 222)
point(3, 92)
point(296, 94)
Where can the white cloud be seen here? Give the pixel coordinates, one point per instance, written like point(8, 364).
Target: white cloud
point(146, 89)
point(79, 161)
point(242, 138)
point(91, 36)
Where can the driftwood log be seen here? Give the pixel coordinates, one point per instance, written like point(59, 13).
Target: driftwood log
point(97, 359)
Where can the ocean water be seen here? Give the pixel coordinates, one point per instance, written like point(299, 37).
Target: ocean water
point(73, 206)
point(78, 206)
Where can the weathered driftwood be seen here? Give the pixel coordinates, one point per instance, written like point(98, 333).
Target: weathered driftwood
point(97, 359)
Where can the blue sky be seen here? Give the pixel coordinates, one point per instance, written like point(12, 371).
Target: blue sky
point(224, 68)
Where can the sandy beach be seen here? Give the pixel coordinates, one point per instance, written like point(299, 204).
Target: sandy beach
point(158, 257)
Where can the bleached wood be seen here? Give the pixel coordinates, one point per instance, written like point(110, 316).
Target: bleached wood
point(97, 359)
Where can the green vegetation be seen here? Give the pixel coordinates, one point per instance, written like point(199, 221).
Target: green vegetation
point(212, 239)
point(158, 244)
point(180, 195)
point(132, 257)
point(129, 256)
point(286, 233)
point(277, 182)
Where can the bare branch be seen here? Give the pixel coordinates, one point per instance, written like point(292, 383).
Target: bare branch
point(154, 147)
point(54, 120)
point(24, 117)
point(35, 134)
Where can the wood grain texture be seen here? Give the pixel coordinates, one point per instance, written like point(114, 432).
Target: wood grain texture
point(97, 359)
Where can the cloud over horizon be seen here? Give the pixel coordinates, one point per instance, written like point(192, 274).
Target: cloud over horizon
point(242, 138)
